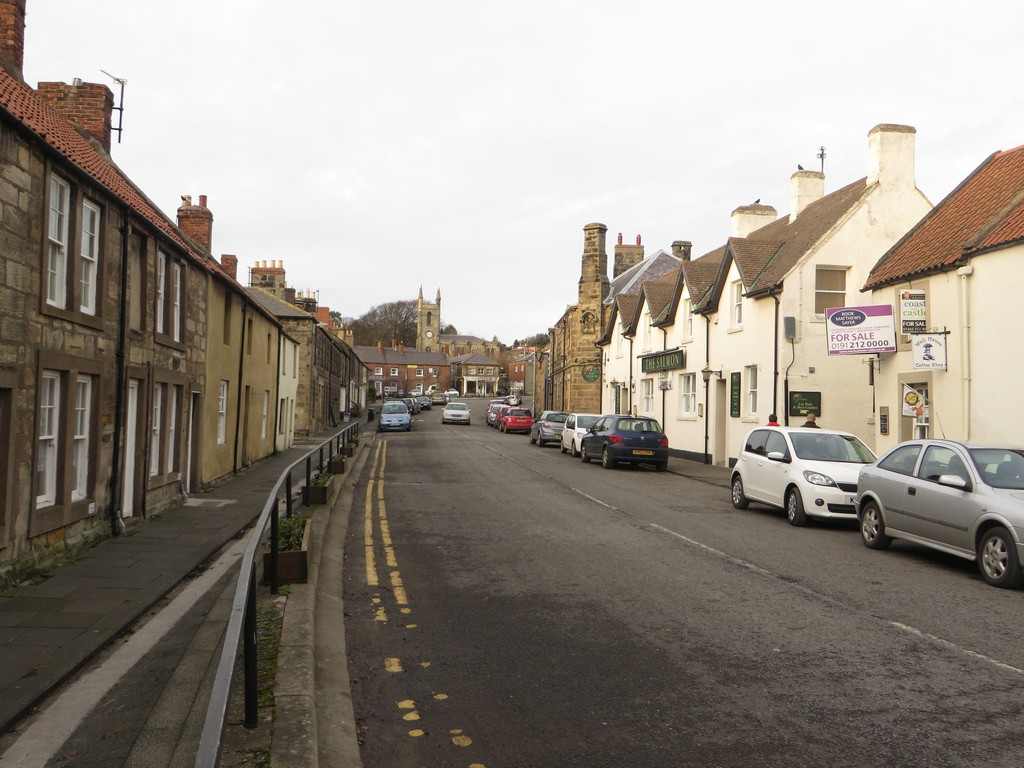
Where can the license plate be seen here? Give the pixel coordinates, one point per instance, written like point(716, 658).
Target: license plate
point(642, 453)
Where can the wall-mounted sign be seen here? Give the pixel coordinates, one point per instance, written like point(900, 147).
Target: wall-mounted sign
point(883, 419)
point(802, 403)
point(734, 393)
point(929, 350)
point(663, 361)
point(860, 330)
point(913, 311)
point(591, 372)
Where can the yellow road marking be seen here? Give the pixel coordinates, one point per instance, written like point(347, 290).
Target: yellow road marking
point(396, 582)
point(393, 664)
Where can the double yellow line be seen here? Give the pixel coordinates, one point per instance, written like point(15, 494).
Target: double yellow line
point(375, 491)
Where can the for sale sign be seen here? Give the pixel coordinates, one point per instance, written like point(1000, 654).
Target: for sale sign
point(860, 330)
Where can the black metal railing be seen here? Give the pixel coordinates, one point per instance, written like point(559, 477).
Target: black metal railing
point(241, 628)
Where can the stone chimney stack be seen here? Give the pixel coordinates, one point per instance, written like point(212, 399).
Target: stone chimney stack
point(627, 256)
point(593, 285)
point(230, 265)
point(681, 249)
point(12, 38)
point(88, 105)
point(196, 221)
point(891, 156)
point(380, 347)
point(750, 218)
point(805, 187)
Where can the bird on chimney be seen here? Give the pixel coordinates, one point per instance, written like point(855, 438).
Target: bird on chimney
point(186, 199)
point(799, 167)
point(757, 201)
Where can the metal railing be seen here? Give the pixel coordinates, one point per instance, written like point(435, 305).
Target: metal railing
point(241, 628)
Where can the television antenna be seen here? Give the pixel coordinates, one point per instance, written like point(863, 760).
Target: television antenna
point(122, 82)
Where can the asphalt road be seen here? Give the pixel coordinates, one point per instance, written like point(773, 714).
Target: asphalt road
point(511, 606)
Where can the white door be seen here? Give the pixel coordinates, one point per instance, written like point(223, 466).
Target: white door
point(131, 424)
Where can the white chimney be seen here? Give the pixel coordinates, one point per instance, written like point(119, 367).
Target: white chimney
point(750, 218)
point(805, 187)
point(891, 155)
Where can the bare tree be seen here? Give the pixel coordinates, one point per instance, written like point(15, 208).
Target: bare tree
point(394, 321)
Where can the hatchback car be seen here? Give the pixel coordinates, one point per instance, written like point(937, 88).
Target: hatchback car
point(455, 413)
point(954, 497)
point(394, 416)
point(576, 426)
point(627, 440)
point(424, 403)
point(413, 406)
point(547, 428)
point(437, 397)
point(807, 472)
point(499, 413)
point(516, 419)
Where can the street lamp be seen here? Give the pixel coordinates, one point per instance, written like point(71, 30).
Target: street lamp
point(706, 373)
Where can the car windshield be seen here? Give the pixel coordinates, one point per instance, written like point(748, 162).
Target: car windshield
point(830, 447)
point(394, 408)
point(457, 407)
point(1000, 467)
point(583, 422)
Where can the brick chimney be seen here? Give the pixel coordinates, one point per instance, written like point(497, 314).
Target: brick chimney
point(196, 221)
point(749, 218)
point(230, 265)
point(88, 105)
point(681, 249)
point(626, 256)
point(805, 187)
point(12, 37)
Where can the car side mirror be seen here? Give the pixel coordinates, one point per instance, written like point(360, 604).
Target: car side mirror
point(954, 481)
point(777, 456)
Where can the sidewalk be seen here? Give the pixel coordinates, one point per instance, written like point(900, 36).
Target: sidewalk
point(49, 630)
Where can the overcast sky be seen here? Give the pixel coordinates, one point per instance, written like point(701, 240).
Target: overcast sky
point(377, 147)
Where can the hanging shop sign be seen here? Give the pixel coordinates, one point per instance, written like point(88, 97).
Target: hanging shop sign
point(913, 311)
point(663, 361)
point(591, 372)
point(929, 351)
point(860, 330)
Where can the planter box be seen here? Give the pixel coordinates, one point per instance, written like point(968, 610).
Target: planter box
point(336, 466)
point(317, 494)
point(347, 449)
point(292, 566)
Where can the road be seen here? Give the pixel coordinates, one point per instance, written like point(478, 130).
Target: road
point(510, 606)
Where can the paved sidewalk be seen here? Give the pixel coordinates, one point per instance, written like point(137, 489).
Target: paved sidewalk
point(49, 630)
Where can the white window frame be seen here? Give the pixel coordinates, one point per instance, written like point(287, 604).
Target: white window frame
point(687, 319)
point(419, 373)
point(394, 372)
point(688, 394)
point(647, 386)
point(647, 330)
point(176, 276)
point(737, 304)
point(266, 413)
point(89, 255)
point(751, 376)
point(156, 430)
point(80, 439)
point(378, 371)
point(47, 438)
point(222, 413)
point(828, 294)
point(174, 397)
point(161, 276)
point(57, 258)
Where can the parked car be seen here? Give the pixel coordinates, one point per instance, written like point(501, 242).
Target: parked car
point(414, 407)
point(513, 400)
point(516, 419)
point(954, 497)
point(394, 415)
point(547, 427)
point(452, 393)
point(423, 402)
point(499, 412)
point(625, 439)
point(437, 397)
point(807, 472)
point(455, 413)
point(576, 426)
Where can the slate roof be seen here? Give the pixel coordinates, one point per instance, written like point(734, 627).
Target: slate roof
point(463, 339)
point(701, 276)
point(371, 355)
point(653, 267)
point(659, 294)
point(278, 306)
point(474, 358)
point(984, 212)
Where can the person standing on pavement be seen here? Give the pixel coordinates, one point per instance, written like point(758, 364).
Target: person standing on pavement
point(811, 420)
point(773, 420)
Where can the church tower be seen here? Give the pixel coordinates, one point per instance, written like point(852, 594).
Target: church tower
point(428, 323)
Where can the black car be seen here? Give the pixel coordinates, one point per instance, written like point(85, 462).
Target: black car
point(627, 440)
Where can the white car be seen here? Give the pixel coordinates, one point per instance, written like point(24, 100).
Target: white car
point(455, 413)
point(576, 426)
point(807, 472)
point(452, 393)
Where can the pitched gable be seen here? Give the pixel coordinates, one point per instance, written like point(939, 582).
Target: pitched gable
point(985, 211)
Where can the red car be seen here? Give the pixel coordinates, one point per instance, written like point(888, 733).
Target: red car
point(514, 419)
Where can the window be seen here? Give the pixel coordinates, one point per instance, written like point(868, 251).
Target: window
point(49, 421)
point(227, 318)
point(169, 294)
point(161, 278)
point(80, 440)
point(171, 463)
point(222, 413)
point(419, 373)
point(737, 304)
point(647, 330)
point(155, 429)
point(248, 336)
point(57, 263)
point(89, 251)
point(266, 413)
point(687, 319)
point(378, 371)
point(394, 371)
point(751, 390)
point(176, 275)
point(648, 394)
point(829, 289)
point(688, 394)
point(280, 415)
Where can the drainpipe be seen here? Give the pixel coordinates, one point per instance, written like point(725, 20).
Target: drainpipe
point(664, 346)
point(707, 389)
point(775, 355)
point(241, 373)
point(631, 384)
point(965, 347)
point(116, 525)
point(277, 386)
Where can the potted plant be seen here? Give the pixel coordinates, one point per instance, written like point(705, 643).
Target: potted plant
point(318, 490)
point(292, 551)
point(336, 466)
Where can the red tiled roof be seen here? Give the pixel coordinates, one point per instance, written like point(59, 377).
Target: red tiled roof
point(985, 211)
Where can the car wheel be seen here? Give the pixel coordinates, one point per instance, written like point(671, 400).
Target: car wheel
point(795, 508)
point(467, 422)
point(532, 441)
point(872, 527)
point(561, 447)
point(661, 466)
point(582, 453)
point(576, 449)
point(997, 559)
point(739, 499)
point(606, 459)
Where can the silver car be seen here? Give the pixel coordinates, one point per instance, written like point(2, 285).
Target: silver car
point(547, 428)
point(455, 413)
point(955, 497)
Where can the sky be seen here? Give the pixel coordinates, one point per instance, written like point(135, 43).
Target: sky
point(377, 148)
